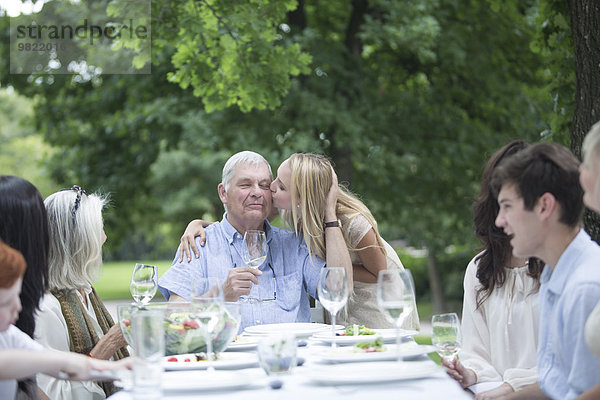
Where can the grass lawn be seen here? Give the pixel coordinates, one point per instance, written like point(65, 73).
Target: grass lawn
point(114, 284)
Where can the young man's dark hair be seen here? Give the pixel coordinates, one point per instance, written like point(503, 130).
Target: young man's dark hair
point(544, 167)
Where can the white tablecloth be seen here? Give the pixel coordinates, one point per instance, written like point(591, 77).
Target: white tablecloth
point(298, 386)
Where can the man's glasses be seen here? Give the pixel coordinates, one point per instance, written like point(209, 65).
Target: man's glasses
point(79, 191)
point(274, 285)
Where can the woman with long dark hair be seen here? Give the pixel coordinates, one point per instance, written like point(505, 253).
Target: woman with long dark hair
point(24, 227)
point(500, 307)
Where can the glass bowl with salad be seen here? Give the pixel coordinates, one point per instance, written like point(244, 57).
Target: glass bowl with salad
point(183, 331)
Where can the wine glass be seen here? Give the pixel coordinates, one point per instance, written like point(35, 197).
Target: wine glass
point(446, 335)
point(254, 249)
point(333, 293)
point(254, 253)
point(207, 302)
point(396, 297)
point(143, 283)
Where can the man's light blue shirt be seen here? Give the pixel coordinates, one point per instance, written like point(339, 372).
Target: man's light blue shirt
point(296, 274)
point(568, 294)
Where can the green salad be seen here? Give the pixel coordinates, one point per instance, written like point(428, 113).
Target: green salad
point(184, 332)
point(370, 347)
point(354, 330)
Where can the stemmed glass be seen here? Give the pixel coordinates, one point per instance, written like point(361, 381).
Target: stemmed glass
point(254, 250)
point(446, 335)
point(207, 302)
point(396, 297)
point(143, 283)
point(333, 293)
point(254, 253)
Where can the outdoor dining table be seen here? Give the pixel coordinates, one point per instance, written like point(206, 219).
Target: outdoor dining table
point(299, 385)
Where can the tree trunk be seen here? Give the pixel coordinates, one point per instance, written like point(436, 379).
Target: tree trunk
point(297, 17)
point(435, 282)
point(585, 25)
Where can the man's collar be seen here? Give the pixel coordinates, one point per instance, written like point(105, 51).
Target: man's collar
point(230, 231)
point(557, 279)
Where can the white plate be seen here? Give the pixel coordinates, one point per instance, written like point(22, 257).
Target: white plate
point(377, 372)
point(243, 343)
point(235, 360)
point(350, 354)
point(180, 381)
point(298, 329)
point(388, 336)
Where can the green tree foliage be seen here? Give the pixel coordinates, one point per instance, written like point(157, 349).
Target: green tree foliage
point(230, 52)
point(554, 42)
point(23, 151)
point(409, 98)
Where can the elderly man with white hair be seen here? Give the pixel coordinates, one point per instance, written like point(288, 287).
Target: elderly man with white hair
point(281, 284)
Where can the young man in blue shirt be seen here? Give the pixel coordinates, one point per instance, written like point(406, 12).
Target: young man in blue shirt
point(541, 208)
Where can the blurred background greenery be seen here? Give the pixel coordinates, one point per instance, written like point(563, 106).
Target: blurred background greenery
point(408, 98)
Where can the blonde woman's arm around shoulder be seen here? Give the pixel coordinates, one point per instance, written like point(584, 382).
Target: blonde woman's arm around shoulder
point(335, 246)
point(188, 239)
point(372, 258)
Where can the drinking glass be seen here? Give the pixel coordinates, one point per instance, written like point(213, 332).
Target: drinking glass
point(143, 283)
point(125, 314)
point(254, 248)
point(149, 344)
point(277, 354)
point(396, 297)
point(446, 335)
point(207, 303)
point(333, 293)
point(254, 253)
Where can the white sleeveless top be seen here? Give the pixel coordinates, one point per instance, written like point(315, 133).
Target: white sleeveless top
point(362, 307)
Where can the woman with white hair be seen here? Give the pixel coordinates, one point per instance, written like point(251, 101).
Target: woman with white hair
point(72, 317)
point(589, 176)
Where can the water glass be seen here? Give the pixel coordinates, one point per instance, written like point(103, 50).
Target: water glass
point(149, 344)
point(333, 292)
point(277, 354)
point(254, 248)
point(446, 335)
point(125, 313)
point(144, 282)
point(207, 302)
point(396, 297)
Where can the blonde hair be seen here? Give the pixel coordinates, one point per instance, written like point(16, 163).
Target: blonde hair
point(590, 150)
point(75, 239)
point(311, 177)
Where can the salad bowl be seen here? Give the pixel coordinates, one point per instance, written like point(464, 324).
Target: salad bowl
point(184, 331)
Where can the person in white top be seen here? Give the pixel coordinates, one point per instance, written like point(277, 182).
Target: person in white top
point(72, 317)
point(500, 309)
point(17, 350)
point(590, 182)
